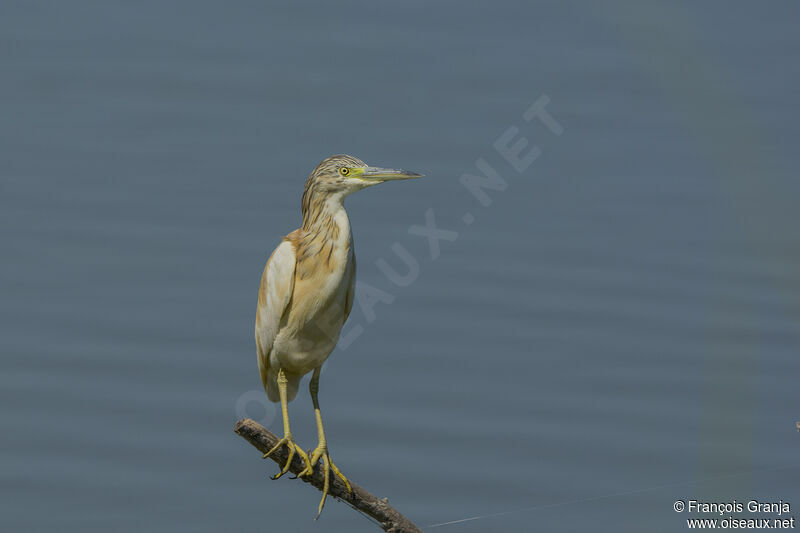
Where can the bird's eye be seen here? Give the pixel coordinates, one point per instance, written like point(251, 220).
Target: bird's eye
point(344, 171)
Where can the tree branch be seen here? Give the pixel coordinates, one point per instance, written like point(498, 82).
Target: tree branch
point(387, 516)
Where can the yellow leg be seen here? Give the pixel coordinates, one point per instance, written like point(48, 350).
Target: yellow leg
point(321, 451)
point(287, 433)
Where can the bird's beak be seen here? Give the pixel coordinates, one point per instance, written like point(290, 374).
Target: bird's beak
point(385, 174)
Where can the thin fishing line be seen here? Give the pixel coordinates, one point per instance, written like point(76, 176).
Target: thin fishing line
point(616, 494)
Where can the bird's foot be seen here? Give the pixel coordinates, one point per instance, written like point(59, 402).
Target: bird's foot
point(293, 448)
point(321, 452)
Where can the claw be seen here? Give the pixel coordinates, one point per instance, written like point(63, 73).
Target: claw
point(293, 449)
point(321, 452)
point(341, 476)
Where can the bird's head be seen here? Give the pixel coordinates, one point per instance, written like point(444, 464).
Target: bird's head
point(346, 174)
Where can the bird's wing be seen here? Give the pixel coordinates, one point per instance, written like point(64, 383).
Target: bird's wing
point(277, 284)
point(351, 291)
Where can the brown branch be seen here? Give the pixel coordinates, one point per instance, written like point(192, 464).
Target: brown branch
point(387, 516)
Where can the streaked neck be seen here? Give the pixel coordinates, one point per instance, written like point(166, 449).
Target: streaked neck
point(326, 228)
point(321, 208)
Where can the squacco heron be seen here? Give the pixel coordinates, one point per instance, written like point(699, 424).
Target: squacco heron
point(306, 295)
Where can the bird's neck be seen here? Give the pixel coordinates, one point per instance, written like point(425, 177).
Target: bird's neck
point(324, 214)
point(325, 235)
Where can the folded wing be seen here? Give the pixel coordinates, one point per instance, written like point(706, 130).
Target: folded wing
point(277, 284)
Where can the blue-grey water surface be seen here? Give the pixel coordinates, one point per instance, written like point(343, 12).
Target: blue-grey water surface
point(617, 329)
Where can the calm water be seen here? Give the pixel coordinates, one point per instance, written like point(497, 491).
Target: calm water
point(617, 329)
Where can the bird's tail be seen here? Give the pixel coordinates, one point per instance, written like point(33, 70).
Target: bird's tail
point(271, 386)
